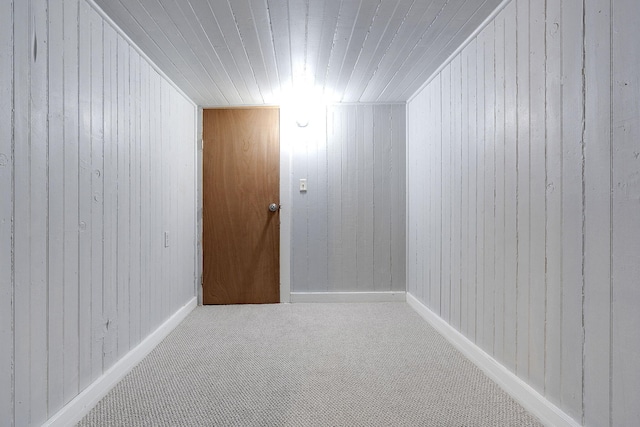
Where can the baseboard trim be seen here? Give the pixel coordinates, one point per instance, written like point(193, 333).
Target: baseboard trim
point(80, 406)
point(534, 402)
point(348, 297)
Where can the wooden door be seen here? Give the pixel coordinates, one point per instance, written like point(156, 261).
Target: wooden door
point(241, 174)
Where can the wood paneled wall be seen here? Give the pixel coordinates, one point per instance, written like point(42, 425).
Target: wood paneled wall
point(348, 229)
point(523, 200)
point(96, 162)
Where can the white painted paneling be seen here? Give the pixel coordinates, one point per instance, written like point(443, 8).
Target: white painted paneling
point(499, 185)
point(84, 195)
point(76, 254)
point(552, 200)
point(250, 52)
point(626, 211)
point(488, 200)
point(571, 27)
point(597, 228)
point(110, 201)
point(523, 189)
point(510, 189)
point(348, 230)
point(38, 196)
point(537, 207)
point(6, 211)
point(71, 202)
point(55, 179)
point(469, 168)
point(21, 242)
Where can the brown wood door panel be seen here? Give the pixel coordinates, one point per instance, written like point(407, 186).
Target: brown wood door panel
point(241, 237)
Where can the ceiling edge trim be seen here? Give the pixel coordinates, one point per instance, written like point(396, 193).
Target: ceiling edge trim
point(128, 39)
point(464, 44)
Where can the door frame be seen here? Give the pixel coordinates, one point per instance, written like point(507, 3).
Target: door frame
point(285, 203)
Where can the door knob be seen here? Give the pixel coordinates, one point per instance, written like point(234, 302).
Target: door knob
point(274, 207)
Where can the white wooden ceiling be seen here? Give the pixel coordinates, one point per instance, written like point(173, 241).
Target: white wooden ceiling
point(244, 52)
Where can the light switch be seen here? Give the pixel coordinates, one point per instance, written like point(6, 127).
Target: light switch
point(166, 239)
point(303, 184)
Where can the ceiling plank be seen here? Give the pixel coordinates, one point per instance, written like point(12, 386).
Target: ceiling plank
point(248, 52)
point(390, 18)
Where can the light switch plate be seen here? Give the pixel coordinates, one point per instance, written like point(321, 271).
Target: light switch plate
point(303, 184)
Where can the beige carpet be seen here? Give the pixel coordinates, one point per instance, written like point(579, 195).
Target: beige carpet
point(306, 365)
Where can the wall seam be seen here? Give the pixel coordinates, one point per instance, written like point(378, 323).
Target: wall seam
point(13, 211)
point(611, 207)
point(582, 156)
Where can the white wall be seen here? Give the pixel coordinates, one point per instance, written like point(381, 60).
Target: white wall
point(348, 229)
point(96, 161)
point(523, 200)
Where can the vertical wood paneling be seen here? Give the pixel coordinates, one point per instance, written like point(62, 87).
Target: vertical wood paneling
point(489, 189)
point(110, 206)
point(398, 190)
point(55, 224)
point(145, 201)
point(625, 220)
point(38, 197)
point(6, 211)
point(428, 141)
point(553, 159)
point(334, 199)
point(523, 191)
point(300, 228)
point(174, 213)
point(556, 187)
point(97, 192)
point(71, 307)
point(349, 227)
point(438, 193)
point(22, 214)
point(596, 154)
point(156, 239)
point(456, 191)
point(510, 188)
point(134, 197)
point(349, 200)
point(465, 127)
point(537, 108)
point(446, 194)
point(165, 171)
point(365, 179)
point(499, 189)
point(480, 178)
point(471, 214)
point(84, 196)
point(124, 235)
point(65, 272)
point(572, 333)
point(318, 200)
point(382, 194)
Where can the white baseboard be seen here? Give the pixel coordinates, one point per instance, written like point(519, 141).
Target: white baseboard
point(348, 297)
point(531, 400)
point(80, 406)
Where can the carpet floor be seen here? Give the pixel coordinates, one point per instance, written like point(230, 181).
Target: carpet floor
point(306, 365)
